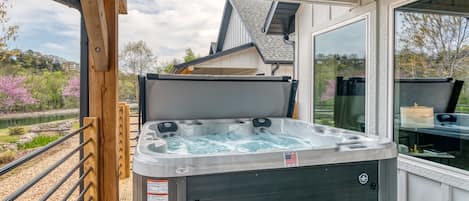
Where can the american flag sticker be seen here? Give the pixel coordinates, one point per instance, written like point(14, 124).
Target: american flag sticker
point(290, 159)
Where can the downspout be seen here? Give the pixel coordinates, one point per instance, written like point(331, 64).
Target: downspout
point(286, 40)
point(277, 66)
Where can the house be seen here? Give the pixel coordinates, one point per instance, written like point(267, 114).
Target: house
point(360, 66)
point(242, 48)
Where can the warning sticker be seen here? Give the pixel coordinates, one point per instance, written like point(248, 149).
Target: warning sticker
point(157, 186)
point(290, 159)
point(157, 197)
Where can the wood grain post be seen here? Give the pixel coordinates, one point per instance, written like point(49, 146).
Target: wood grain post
point(124, 139)
point(102, 103)
point(91, 134)
point(127, 140)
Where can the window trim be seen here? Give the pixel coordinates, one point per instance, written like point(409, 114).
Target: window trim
point(368, 14)
point(390, 63)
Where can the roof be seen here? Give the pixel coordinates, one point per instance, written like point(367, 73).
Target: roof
point(281, 18)
point(253, 13)
point(180, 67)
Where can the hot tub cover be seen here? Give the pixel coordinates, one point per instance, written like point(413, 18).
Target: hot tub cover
point(175, 97)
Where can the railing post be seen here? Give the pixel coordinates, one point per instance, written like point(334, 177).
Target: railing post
point(124, 139)
point(127, 140)
point(91, 133)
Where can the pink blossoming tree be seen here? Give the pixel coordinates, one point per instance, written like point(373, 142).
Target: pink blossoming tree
point(329, 92)
point(73, 88)
point(13, 93)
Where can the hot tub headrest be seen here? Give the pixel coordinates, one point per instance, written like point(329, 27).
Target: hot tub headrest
point(185, 97)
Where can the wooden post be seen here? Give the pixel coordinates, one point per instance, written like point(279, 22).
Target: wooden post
point(124, 140)
point(103, 99)
point(91, 133)
point(120, 135)
point(127, 140)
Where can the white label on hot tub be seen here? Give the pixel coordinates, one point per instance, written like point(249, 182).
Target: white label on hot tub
point(157, 197)
point(157, 186)
point(290, 159)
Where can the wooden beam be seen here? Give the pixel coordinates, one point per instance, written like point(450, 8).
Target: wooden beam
point(123, 7)
point(97, 28)
point(102, 102)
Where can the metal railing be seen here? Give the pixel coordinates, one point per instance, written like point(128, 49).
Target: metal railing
point(87, 162)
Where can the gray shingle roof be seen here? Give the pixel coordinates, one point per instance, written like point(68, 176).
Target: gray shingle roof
point(271, 47)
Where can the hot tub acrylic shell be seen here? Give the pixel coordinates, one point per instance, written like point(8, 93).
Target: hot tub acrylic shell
point(333, 146)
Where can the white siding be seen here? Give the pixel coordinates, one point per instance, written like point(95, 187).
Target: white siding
point(324, 13)
point(244, 59)
point(303, 59)
point(460, 195)
point(237, 33)
point(422, 180)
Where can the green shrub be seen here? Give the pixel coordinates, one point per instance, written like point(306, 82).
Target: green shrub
point(7, 156)
point(38, 141)
point(16, 131)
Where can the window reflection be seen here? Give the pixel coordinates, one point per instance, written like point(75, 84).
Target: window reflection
point(339, 77)
point(431, 109)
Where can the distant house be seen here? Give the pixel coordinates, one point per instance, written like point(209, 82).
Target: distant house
point(242, 48)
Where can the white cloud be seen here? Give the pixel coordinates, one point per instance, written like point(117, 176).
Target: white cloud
point(168, 26)
point(46, 26)
point(54, 46)
point(171, 26)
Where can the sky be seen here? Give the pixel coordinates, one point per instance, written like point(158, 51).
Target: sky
point(352, 40)
point(167, 26)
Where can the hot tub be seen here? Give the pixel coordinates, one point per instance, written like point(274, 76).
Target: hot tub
point(258, 154)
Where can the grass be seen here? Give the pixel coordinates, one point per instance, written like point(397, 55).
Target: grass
point(39, 141)
point(3, 131)
point(9, 139)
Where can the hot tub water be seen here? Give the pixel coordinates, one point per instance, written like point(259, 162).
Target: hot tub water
point(234, 142)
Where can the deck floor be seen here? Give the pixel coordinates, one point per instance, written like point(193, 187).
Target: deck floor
point(125, 185)
point(125, 189)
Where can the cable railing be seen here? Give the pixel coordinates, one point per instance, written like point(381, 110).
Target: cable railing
point(87, 162)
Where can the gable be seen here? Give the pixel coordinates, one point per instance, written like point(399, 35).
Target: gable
point(236, 33)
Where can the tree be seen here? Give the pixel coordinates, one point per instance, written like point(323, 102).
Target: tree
point(128, 87)
point(440, 39)
point(48, 89)
point(71, 92)
point(168, 67)
point(137, 58)
point(13, 93)
point(190, 56)
point(7, 32)
point(72, 89)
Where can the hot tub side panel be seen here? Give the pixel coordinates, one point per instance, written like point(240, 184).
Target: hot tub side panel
point(338, 182)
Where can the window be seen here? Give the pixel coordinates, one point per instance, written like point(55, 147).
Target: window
point(339, 77)
point(431, 93)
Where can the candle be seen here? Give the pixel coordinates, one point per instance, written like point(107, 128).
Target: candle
point(417, 117)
